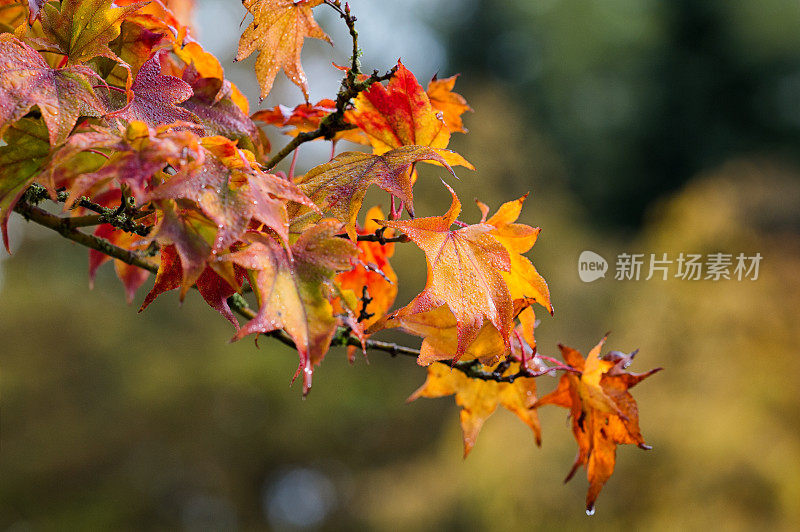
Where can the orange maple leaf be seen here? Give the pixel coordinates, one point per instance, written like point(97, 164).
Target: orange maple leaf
point(401, 114)
point(602, 411)
point(464, 272)
point(451, 104)
point(479, 399)
point(277, 32)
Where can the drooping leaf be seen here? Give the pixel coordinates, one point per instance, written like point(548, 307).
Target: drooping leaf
point(62, 95)
point(156, 97)
point(295, 291)
point(231, 191)
point(82, 29)
point(372, 272)
point(340, 185)
point(212, 287)
point(21, 160)
point(401, 114)
point(451, 104)
point(277, 32)
point(192, 235)
point(602, 412)
point(464, 272)
point(479, 399)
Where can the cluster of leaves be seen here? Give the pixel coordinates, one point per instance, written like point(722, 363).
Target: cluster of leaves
point(114, 110)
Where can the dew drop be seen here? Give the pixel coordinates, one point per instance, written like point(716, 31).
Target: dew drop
point(590, 511)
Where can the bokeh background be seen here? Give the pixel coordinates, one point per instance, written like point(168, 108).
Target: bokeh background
point(637, 125)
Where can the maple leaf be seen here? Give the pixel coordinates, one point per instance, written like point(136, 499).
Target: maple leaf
point(62, 95)
point(81, 29)
point(523, 281)
point(191, 233)
point(25, 151)
point(341, 184)
point(295, 288)
point(156, 96)
point(464, 272)
point(602, 412)
point(231, 190)
point(479, 399)
point(214, 289)
point(451, 104)
point(306, 117)
point(401, 114)
point(372, 272)
point(277, 32)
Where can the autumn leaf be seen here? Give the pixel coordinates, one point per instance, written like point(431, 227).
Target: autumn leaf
point(277, 32)
point(340, 185)
point(62, 95)
point(523, 281)
point(451, 104)
point(156, 97)
point(82, 29)
point(306, 117)
point(231, 190)
point(372, 272)
point(479, 399)
point(294, 290)
point(192, 235)
point(602, 412)
point(22, 157)
point(212, 287)
point(401, 114)
point(464, 272)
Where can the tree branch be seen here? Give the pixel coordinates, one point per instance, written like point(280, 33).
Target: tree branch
point(63, 227)
point(238, 304)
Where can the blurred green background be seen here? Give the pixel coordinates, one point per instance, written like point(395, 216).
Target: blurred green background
point(639, 126)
